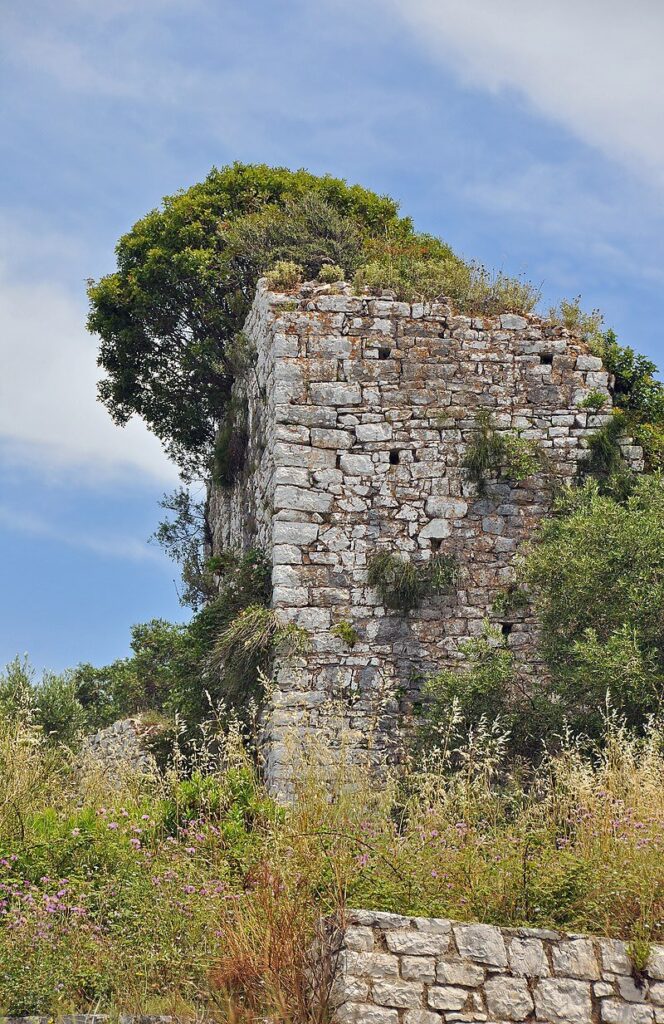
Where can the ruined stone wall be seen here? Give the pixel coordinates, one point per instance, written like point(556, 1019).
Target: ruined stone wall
point(361, 410)
point(400, 970)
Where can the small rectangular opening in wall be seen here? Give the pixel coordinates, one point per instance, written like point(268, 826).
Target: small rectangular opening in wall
point(506, 628)
point(435, 543)
point(384, 352)
point(394, 457)
point(546, 358)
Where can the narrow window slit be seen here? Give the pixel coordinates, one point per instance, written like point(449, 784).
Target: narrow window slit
point(435, 543)
point(506, 628)
point(394, 457)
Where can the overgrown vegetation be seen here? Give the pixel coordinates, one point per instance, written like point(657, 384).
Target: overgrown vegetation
point(502, 452)
point(594, 577)
point(185, 277)
point(243, 649)
point(403, 584)
point(605, 461)
point(168, 316)
point(425, 268)
point(230, 445)
point(284, 275)
point(194, 894)
point(345, 631)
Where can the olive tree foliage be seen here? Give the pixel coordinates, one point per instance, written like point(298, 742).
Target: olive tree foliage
point(185, 277)
point(184, 536)
point(596, 575)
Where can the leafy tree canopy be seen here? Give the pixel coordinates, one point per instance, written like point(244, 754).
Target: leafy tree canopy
point(186, 274)
point(596, 574)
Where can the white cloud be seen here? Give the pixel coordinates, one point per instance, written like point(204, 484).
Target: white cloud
point(593, 66)
point(49, 415)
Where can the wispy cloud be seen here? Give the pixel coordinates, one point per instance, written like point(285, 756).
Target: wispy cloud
point(126, 548)
point(593, 66)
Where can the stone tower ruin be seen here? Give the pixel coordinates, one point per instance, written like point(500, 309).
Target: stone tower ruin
point(359, 412)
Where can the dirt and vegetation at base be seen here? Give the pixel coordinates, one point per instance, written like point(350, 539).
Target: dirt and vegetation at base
point(191, 891)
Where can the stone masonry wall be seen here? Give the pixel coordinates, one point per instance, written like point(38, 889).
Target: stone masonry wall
point(400, 970)
point(360, 413)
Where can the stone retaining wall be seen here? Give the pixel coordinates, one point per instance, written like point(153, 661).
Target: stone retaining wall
point(401, 970)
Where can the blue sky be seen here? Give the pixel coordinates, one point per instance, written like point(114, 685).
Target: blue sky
point(527, 135)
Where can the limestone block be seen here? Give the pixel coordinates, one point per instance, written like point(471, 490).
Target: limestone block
point(458, 972)
point(432, 924)
point(294, 533)
point(303, 455)
point(421, 1017)
point(373, 432)
point(657, 992)
point(374, 965)
point(482, 942)
point(290, 597)
point(615, 1012)
point(446, 997)
point(301, 499)
point(417, 943)
point(528, 958)
point(363, 1013)
point(356, 465)
point(418, 968)
point(305, 415)
point(563, 1001)
point(655, 965)
point(508, 998)
point(402, 994)
point(298, 476)
point(576, 959)
point(512, 322)
point(330, 438)
point(336, 393)
point(630, 990)
point(436, 528)
point(345, 988)
point(585, 363)
point(292, 433)
point(446, 508)
point(614, 956)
